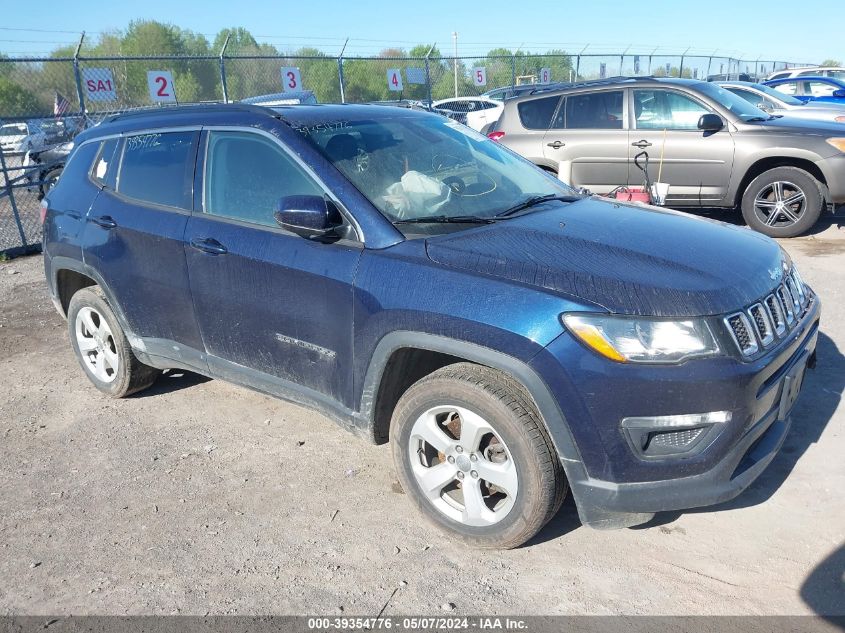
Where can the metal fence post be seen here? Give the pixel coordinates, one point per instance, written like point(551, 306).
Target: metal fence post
point(428, 74)
point(513, 71)
point(340, 72)
point(78, 75)
point(223, 70)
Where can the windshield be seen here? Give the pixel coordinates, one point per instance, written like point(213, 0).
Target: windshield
point(737, 105)
point(414, 167)
point(13, 130)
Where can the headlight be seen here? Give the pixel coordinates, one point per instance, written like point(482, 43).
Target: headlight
point(642, 339)
point(838, 143)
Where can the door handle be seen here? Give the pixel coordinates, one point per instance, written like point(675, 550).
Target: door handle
point(556, 144)
point(641, 144)
point(208, 245)
point(105, 221)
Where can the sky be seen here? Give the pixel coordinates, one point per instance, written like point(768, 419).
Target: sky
point(747, 30)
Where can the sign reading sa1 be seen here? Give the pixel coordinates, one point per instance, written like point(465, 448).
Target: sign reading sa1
point(162, 88)
point(394, 80)
point(291, 79)
point(98, 84)
point(479, 76)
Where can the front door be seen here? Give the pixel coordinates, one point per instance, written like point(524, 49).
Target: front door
point(696, 164)
point(589, 140)
point(268, 300)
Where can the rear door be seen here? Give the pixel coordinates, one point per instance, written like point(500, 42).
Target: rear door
point(267, 300)
point(589, 139)
point(134, 232)
point(696, 164)
point(525, 134)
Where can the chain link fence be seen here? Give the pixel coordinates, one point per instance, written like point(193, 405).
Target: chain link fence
point(55, 98)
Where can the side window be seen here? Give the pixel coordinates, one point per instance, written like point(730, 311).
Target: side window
point(158, 168)
point(246, 175)
point(537, 114)
point(750, 97)
point(663, 109)
point(818, 88)
point(592, 111)
point(787, 88)
point(104, 170)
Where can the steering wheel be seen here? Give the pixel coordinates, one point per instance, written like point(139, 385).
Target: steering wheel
point(457, 185)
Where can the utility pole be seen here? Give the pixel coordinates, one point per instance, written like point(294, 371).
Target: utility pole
point(455, 60)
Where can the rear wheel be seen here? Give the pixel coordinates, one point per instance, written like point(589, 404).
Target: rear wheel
point(782, 202)
point(474, 457)
point(101, 347)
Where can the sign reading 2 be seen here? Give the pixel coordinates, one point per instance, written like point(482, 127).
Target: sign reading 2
point(291, 79)
point(162, 89)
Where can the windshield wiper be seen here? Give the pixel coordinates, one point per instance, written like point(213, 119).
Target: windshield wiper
point(533, 201)
point(447, 219)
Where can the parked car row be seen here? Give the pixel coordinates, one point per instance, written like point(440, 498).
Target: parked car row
point(715, 149)
point(512, 339)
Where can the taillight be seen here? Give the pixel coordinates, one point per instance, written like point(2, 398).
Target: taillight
point(840, 119)
point(496, 136)
point(43, 211)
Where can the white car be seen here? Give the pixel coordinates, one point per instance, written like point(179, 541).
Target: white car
point(478, 111)
point(20, 138)
point(837, 72)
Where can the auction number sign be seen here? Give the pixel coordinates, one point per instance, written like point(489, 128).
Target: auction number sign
point(545, 75)
point(99, 84)
point(162, 88)
point(291, 79)
point(394, 79)
point(479, 76)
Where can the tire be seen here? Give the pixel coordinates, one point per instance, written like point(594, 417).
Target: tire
point(760, 202)
point(106, 356)
point(510, 445)
point(49, 180)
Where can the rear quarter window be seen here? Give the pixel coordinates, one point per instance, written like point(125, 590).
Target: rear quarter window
point(537, 114)
point(158, 168)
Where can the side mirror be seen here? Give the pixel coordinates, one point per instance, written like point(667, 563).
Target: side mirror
point(308, 216)
point(710, 123)
point(839, 93)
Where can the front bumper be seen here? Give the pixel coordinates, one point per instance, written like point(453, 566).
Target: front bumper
point(613, 488)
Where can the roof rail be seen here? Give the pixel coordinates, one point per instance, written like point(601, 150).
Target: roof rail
point(192, 108)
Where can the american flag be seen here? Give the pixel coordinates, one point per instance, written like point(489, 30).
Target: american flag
point(61, 105)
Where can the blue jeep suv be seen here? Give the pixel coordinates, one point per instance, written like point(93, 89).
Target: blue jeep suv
point(426, 287)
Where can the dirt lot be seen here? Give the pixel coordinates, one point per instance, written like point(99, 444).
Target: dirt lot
point(201, 497)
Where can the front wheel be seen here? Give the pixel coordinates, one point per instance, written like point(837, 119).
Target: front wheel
point(474, 457)
point(782, 202)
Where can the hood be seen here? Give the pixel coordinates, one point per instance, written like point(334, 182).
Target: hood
point(787, 125)
point(627, 258)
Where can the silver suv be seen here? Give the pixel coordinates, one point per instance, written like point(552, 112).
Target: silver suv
point(713, 148)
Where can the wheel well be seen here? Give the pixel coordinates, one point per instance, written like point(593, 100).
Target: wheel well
point(68, 283)
point(405, 367)
point(766, 164)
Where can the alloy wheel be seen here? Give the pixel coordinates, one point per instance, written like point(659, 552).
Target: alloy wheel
point(780, 204)
point(96, 345)
point(462, 466)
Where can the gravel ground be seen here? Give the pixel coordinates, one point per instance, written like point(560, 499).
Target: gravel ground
point(201, 497)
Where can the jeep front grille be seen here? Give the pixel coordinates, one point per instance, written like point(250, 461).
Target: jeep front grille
point(770, 319)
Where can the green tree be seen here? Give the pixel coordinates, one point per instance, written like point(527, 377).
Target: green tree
point(831, 62)
point(15, 100)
